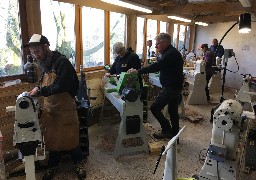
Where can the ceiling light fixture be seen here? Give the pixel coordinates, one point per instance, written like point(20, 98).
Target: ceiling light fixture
point(201, 23)
point(245, 23)
point(129, 5)
point(179, 18)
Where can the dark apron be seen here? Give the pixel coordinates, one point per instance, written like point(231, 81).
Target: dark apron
point(59, 119)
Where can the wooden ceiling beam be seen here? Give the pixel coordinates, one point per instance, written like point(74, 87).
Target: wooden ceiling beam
point(215, 19)
point(147, 3)
point(207, 8)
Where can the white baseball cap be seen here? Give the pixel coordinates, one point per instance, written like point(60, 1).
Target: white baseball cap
point(37, 39)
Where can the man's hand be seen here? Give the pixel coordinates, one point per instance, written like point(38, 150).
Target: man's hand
point(107, 75)
point(34, 91)
point(135, 71)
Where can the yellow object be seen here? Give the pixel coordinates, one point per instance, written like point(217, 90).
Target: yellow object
point(155, 147)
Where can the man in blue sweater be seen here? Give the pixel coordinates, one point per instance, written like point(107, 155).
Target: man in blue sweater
point(171, 78)
point(217, 49)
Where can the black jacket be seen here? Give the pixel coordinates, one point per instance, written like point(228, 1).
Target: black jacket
point(66, 80)
point(171, 69)
point(123, 64)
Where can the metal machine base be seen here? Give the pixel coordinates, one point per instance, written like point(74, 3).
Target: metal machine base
point(128, 111)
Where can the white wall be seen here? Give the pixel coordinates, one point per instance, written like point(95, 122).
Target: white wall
point(243, 45)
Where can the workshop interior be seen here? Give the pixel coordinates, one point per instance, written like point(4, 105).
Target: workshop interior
point(217, 135)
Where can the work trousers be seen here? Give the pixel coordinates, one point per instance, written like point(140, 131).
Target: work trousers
point(55, 157)
point(172, 98)
point(208, 77)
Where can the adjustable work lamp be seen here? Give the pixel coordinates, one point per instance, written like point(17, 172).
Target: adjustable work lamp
point(244, 27)
point(245, 23)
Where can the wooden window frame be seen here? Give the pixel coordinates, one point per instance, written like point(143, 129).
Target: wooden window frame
point(27, 31)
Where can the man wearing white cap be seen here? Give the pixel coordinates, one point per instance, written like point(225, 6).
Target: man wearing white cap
point(58, 85)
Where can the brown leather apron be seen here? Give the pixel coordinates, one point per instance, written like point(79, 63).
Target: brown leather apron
point(59, 119)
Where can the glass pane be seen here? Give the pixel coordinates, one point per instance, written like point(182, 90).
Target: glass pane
point(181, 37)
point(187, 37)
point(151, 34)
point(93, 37)
point(140, 36)
point(58, 22)
point(163, 27)
point(175, 34)
point(117, 31)
point(10, 42)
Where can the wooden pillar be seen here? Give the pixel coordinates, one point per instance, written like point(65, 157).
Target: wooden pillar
point(33, 17)
point(131, 32)
point(107, 37)
point(24, 28)
point(170, 28)
point(79, 40)
point(192, 37)
point(158, 27)
point(178, 37)
point(144, 53)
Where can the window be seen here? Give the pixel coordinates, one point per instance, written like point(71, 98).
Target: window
point(117, 31)
point(93, 37)
point(58, 21)
point(140, 36)
point(151, 34)
point(181, 37)
point(187, 37)
point(163, 27)
point(10, 42)
point(175, 34)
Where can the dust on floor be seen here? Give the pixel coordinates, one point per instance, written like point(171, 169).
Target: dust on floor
point(191, 150)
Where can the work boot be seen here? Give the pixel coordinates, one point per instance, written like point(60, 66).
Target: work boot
point(163, 135)
point(50, 173)
point(80, 171)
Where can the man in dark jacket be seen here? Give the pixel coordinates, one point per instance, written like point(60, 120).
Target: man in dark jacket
point(125, 59)
point(171, 78)
point(58, 85)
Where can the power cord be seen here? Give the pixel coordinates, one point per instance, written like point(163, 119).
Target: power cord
point(218, 175)
point(237, 66)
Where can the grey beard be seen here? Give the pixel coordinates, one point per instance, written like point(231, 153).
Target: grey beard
point(46, 64)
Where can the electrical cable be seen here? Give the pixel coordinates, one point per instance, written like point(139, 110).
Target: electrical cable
point(218, 175)
point(237, 67)
point(225, 36)
point(225, 63)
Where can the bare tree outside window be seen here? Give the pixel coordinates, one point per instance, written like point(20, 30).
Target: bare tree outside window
point(58, 25)
point(10, 42)
point(93, 37)
point(117, 31)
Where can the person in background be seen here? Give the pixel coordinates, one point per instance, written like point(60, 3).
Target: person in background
point(217, 49)
point(171, 78)
point(210, 62)
point(125, 59)
point(59, 86)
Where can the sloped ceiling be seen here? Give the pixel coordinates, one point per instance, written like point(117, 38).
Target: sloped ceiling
point(210, 11)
